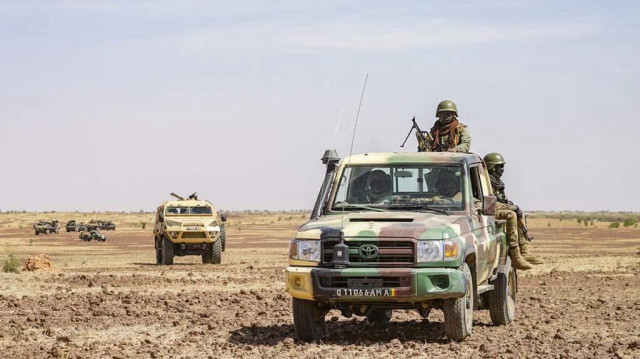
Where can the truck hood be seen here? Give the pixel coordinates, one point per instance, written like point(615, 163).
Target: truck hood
point(386, 225)
point(188, 221)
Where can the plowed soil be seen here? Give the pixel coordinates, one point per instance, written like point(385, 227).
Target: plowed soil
point(108, 300)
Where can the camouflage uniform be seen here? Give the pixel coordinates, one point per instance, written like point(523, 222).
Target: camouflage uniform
point(509, 211)
point(447, 135)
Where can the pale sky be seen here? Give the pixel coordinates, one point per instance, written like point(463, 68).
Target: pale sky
point(112, 105)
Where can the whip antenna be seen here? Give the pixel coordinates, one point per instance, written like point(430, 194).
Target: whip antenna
point(358, 115)
point(335, 133)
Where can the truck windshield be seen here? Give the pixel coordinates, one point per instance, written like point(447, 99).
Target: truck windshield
point(184, 210)
point(407, 187)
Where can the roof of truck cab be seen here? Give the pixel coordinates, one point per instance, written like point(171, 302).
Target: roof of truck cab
point(187, 203)
point(411, 157)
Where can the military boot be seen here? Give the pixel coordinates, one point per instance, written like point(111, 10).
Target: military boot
point(517, 260)
point(525, 250)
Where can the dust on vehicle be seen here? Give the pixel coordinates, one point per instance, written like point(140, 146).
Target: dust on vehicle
point(189, 226)
point(402, 231)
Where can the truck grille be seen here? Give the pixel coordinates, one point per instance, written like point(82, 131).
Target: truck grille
point(362, 282)
point(389, 251)
point(193, 235)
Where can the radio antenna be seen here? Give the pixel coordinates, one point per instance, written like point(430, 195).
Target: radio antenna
point(358, 115)
point(335, 133)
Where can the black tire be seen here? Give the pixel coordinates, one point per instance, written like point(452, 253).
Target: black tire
point(502, 299)
point(458, 312)
point(37, 233)
point(158, 256)
point(207, 254)
point(216, 252)
point(308, 319)
point(167, 251)
point(381, 316)
point(223, 237)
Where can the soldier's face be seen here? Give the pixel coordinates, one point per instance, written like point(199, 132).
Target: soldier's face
point(445, 116)
point(499, 169)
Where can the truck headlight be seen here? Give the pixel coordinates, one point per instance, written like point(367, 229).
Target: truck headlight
point(305, 250)
point(430, 251)
point(433, 251)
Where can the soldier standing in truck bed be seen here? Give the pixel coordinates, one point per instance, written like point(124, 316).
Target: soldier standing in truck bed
point(447, 133)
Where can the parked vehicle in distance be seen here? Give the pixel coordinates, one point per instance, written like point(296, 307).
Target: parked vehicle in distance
point(46, 227)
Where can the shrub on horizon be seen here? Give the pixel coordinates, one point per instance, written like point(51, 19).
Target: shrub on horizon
point(614, 225)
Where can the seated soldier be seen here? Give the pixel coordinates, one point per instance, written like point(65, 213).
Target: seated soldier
point(379, 184)
point(507, 210)
point(447, 188)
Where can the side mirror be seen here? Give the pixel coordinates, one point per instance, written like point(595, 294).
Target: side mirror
point(489, 205)
point(223, 217)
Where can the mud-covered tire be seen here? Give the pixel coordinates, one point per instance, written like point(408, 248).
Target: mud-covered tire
point(308, 319)
point(216, 252)
point(167, 251)
point(158, 256)
point(458, 312)
point(223, 237)
point(380, 316)
point(502, 299)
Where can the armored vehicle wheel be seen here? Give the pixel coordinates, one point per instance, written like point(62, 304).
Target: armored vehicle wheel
point(46, 231)
point(216, 249)
point(458, 312)
point(308, 319)
point(502, 299)
point(223, 237)
point(37, 233)
point(167, 251)
point(207, 254)
point(158, 256)
point(382, 316)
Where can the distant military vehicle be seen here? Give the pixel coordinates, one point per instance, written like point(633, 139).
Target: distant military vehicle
point(95, 235)
point(402, 231)
point(46, 227)
point(188, 226)
point(108, 226)
point(74, 226)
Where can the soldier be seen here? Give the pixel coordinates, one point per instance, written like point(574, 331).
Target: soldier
point(447, 134)
point(379, 184)
point(507, 210)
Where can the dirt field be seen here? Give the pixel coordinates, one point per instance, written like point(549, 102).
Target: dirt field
point(108, 300)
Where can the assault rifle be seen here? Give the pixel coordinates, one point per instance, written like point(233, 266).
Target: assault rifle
point(424, 138)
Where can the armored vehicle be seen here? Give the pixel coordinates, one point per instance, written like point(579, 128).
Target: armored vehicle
point(94, 234)
point(188, 226)
point(74, 226)
point(108, 226)
point(402, 231)
point(46, 227)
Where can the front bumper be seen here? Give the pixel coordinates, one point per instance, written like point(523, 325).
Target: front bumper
point(375, 284)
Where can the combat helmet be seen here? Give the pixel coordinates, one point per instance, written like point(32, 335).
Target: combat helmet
point(493, 159)
point(447, 105)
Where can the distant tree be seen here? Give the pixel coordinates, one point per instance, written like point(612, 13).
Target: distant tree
point(579, 220)
point(628, 222)
point(614, 225)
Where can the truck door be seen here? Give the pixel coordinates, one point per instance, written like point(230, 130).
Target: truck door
point(486, 248)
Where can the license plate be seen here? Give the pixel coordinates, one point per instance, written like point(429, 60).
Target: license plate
point(193, 228)
point(373, 292)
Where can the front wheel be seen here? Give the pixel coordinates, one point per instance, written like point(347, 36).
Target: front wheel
point(216, 252)
point(308, 319)
point(458, 312)
point(223, 237)
point(167, 251)
point(158, 256)
point(502, 299)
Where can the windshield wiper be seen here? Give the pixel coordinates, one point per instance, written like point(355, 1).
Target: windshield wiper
point(346, 205)
point(417, 207)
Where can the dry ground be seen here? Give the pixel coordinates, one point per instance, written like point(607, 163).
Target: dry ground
point(107, 300)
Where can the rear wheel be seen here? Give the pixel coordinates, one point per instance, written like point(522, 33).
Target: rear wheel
point(502, 299)
point(308, 319)
point(458, 312)
point(382, 316)
point(167, 251)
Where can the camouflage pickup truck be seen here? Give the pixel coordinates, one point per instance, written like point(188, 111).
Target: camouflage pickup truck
point(402, 231)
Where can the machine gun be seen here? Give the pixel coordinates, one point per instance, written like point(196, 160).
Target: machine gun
point(176, 196)
point(424, 138)
point(193, 196)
